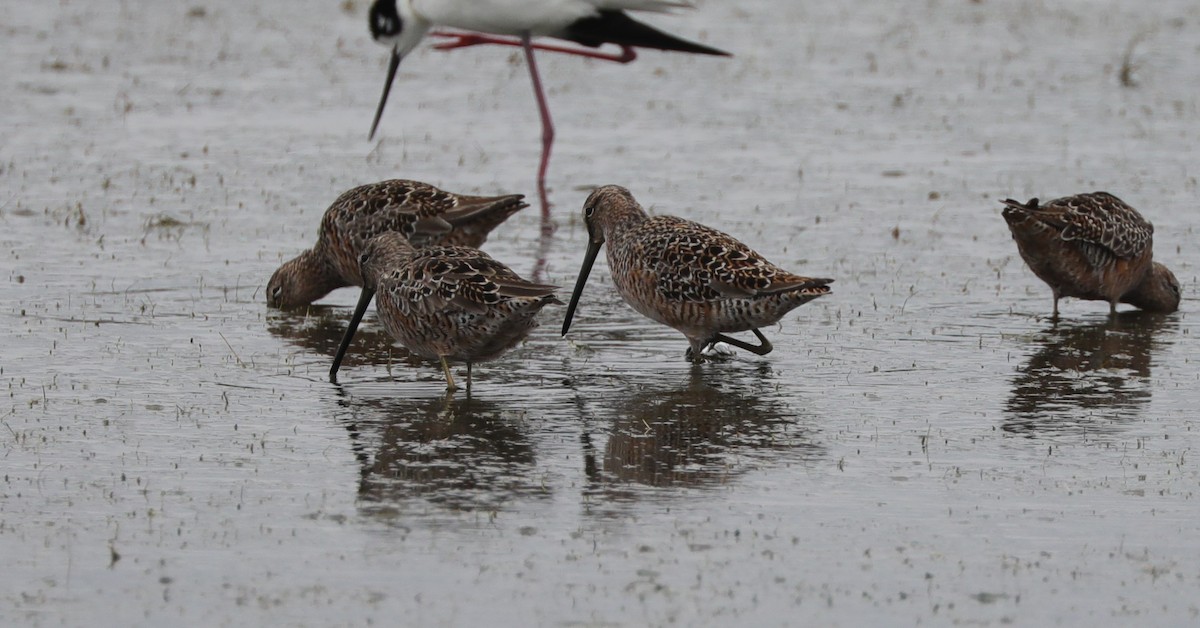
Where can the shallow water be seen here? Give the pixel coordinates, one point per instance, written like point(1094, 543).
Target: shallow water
point(923, 446)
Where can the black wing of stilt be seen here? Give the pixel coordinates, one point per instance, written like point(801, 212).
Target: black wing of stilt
point(616, 27)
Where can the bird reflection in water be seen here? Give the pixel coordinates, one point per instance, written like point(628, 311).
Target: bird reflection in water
point(703, 434)
point(1087, 377)
point(461, 454)
point(318, 329)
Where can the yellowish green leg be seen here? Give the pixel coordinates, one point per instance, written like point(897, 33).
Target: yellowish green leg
point(450, 385)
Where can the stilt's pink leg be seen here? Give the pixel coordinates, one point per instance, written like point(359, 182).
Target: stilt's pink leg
point(543, 249)
point(547, 123)
point(463, 40)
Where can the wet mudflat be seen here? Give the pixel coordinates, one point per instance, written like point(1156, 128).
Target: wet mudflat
point(923, 446)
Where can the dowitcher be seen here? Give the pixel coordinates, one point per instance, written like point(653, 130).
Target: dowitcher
point(688, 276)
point(402, 24)
point(1092, 246)
point(418, 211)
point(445, 303)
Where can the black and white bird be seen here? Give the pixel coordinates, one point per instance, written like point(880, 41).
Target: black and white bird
point(402, 24)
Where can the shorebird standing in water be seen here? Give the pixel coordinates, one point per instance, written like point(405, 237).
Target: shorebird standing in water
point(445, 303)
point(1092, 246)
point(418, 211)
point(402, 24)
point(688, 276)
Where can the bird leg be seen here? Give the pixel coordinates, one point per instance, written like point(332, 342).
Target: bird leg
point(695, 353)
point(763, 348)
point(468, 378)
point(446, 414)
point(547, 124)
point(463, 40)
point(450, 385)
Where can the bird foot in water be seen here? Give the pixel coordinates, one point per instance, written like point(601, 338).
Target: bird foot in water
point(715, 352)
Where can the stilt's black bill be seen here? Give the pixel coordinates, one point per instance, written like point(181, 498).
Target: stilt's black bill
point(363, 301)
point(589, 258)
point(387, 88)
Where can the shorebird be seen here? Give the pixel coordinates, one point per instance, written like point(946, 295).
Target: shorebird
point(418, 211)
point(1092, 246)
point(402, 24)
point(685, 275)
point(445, 303)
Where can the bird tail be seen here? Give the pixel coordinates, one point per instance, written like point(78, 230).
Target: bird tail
point(1032, 205)
point(806, 286)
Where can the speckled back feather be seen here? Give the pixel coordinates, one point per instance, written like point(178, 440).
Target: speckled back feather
point(446, 277)
point(420, 212)
point(451, 302)
point(693, 262)
point(1098, 218)
point(1092, 246)
point(683, 274)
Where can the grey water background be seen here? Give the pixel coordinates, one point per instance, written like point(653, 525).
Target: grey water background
point(923, 446)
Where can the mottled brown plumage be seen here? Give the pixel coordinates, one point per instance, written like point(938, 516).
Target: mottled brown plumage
point(685, 275)
point(1092, 246)
point(445, 302)
point(420, 212)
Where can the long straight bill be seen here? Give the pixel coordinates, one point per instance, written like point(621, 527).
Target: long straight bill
point(387, 89)
point(363, 301)
point(589, 258)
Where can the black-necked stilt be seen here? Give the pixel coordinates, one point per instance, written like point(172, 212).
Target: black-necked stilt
point(402, 24)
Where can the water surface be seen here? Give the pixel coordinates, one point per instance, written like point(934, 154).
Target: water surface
point(923, 446)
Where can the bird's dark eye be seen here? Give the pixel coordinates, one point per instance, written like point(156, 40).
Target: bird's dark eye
point(364, 258)
point(385, 20)
point(276, 291)
point(588, 211)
